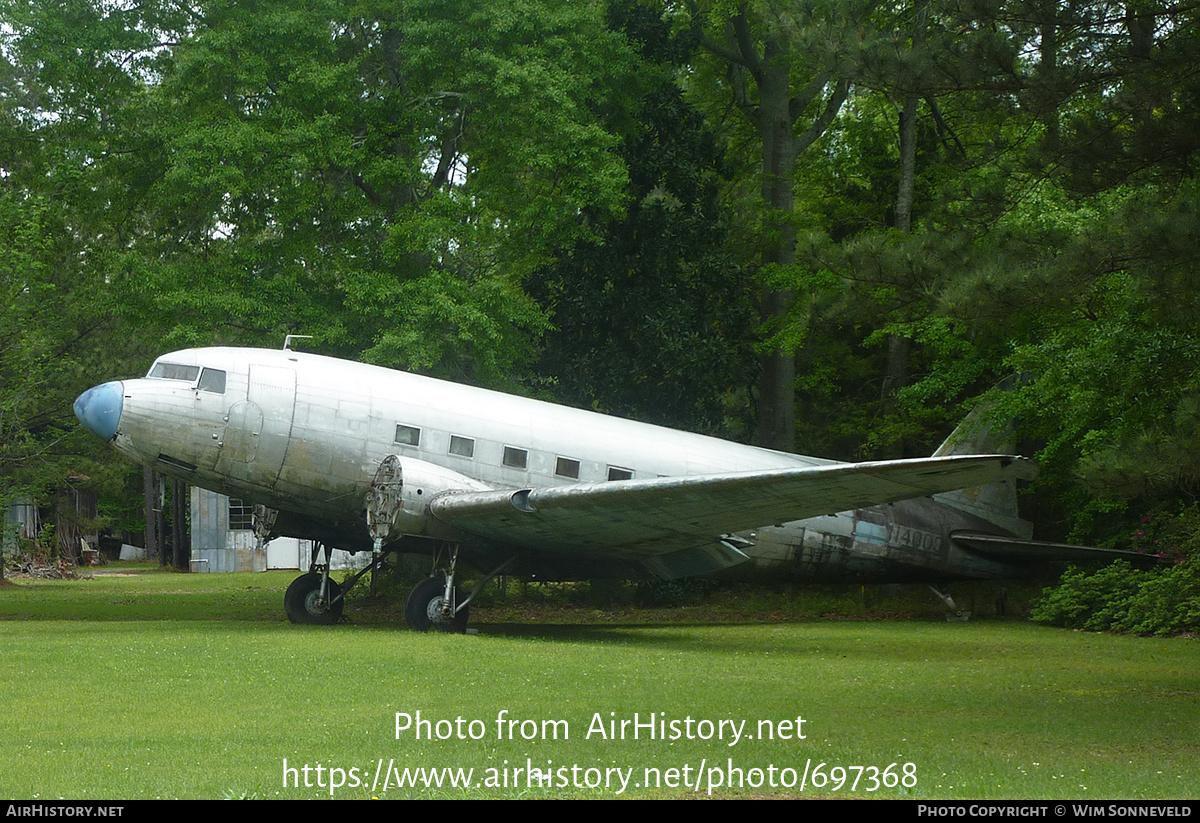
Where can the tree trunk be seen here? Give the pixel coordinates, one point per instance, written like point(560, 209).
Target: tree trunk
point(896, 371)
point(160, 519)
point(898, 347)
point(775, 111)
point(149, 486)
point(908, 162)
point(777, 378)
point(180, 542)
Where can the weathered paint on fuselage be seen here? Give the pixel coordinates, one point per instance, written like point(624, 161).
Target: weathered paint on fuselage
point(305, 434)
point(905, 542)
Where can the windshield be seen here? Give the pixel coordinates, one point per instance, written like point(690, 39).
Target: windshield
point(174, 371)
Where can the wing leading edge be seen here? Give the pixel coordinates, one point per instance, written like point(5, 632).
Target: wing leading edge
point(675, 525)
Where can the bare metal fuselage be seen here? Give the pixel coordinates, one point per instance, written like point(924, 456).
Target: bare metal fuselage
point(306, 435)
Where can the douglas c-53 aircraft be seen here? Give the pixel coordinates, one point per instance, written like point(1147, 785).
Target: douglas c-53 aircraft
point(364, 458)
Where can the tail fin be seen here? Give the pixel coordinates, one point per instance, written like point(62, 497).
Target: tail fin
point(981, 433)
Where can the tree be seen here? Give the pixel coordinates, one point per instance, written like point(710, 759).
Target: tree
point(788, 69)
point(383, 176)
point(651, 318)
point(65, 220)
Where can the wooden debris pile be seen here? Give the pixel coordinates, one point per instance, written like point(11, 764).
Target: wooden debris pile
point(37, 567)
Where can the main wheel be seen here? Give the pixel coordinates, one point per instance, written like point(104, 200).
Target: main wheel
point(423, 609)
point(303, 604)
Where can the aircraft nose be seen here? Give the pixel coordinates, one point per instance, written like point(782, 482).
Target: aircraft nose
point(99, 409)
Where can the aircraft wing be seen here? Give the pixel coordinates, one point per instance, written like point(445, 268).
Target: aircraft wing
point(675, 526)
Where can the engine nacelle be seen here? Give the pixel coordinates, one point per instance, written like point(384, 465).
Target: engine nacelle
point(398, 500)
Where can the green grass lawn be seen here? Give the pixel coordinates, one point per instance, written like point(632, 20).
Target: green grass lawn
point(163, 685)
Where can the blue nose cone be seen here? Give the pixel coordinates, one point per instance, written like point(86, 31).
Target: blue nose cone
point(99, 409)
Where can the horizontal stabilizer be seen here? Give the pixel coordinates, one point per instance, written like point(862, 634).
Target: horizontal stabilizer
point(1012, 549)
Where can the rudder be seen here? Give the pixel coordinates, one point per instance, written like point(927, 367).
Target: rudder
point(981, 433)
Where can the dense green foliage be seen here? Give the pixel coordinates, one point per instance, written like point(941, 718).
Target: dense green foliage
point(1124, 599)
point(651, 314)
point(827, 224)
point(1160, 601)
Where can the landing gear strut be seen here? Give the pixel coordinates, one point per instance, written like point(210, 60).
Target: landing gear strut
point(956, 614)
point(316, 597)
point(428, 607)
point(304, 601)
point(435, 603)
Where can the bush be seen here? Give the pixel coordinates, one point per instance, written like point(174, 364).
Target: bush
point(673, 593)
point(1121, 598)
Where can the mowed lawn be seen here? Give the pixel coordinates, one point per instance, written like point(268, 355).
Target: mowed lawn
point(195, 686)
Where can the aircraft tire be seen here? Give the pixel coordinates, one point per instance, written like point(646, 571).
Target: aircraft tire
point(301, 601)
point(422, 610)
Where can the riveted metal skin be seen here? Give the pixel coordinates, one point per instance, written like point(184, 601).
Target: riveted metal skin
point(549, 491)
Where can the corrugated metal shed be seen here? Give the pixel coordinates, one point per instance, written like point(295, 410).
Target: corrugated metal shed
point(20, 522)
point(220, 548)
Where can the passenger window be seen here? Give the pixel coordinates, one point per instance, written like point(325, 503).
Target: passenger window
point(566, 467)
point(617, 473)
point(408, 435)
point(515, 458)
point(212, 380)
point(462, 446)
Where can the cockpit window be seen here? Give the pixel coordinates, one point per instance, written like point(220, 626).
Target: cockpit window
point(212, 380)
point(174, 371)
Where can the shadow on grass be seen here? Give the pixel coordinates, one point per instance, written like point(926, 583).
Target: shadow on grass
point(831, 641)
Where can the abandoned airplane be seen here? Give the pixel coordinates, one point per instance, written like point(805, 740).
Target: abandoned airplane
point(365, 458)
